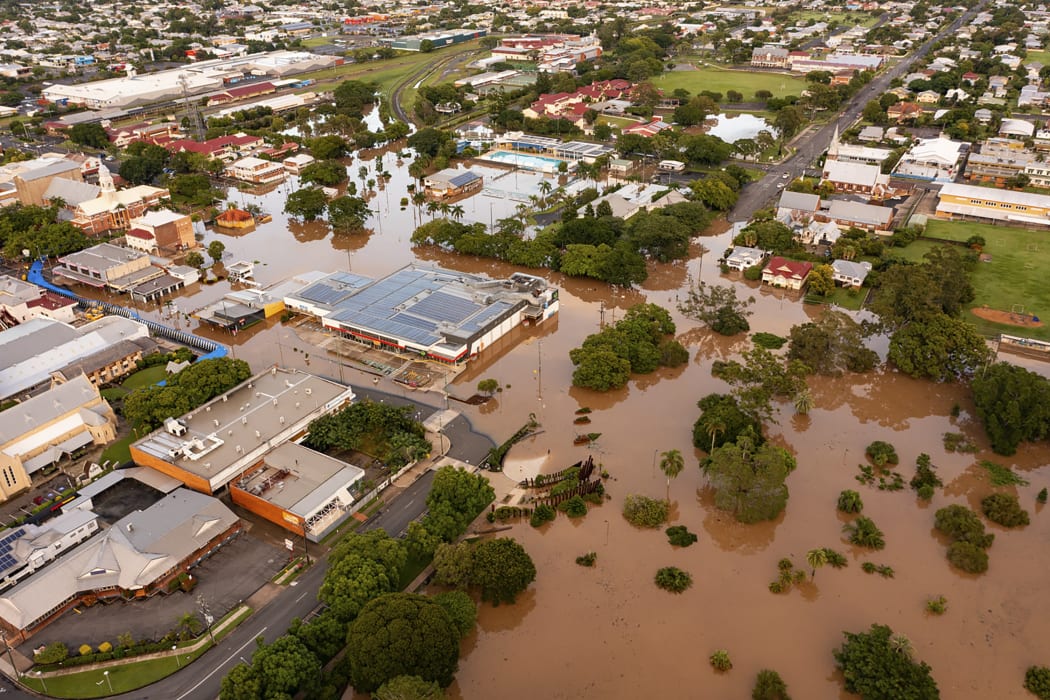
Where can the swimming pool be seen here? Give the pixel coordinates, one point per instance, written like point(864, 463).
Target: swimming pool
point(544, 164)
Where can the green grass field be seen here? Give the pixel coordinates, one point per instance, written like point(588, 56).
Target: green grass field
point(617, 122)
point(722, 79)
point(1016, 274)
point(387, 72)
point(144, 377)
point(848, 18)
point(1040, 56)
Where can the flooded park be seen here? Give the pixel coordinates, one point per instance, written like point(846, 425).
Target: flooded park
point(608, 631)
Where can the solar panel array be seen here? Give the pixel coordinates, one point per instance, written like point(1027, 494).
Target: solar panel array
point(7, 560)
point(462, 179)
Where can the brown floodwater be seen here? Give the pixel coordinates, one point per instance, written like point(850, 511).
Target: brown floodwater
point(608, 632)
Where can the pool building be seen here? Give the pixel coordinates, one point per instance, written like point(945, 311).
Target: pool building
point(437, 314)
point(543, 153)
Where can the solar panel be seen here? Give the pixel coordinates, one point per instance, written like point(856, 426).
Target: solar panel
point(414, 321)
point(462, 179)
point(440, 306)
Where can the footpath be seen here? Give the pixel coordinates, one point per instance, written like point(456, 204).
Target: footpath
point(231, 620)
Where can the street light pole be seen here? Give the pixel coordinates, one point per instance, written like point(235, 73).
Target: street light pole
point(175, 648)
point(40, 677)
point(108, 681)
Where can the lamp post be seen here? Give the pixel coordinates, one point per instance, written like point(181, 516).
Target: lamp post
point(175, 648)
point(109, 681)
point(40, 677)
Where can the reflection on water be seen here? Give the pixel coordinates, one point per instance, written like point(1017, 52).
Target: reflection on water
point(609, 632)
point(738, 126)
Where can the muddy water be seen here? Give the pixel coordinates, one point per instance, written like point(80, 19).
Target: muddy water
point(608, 632)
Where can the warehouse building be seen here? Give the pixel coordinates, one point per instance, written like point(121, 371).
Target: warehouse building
point(434, 313)
point(216, 443)
point(203, 76)
point(989, 204)
point(437, 39)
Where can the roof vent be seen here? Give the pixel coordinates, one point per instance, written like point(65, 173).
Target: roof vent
point(282, 420)
point(244, 420)
point(216, 422)
point(309, 391)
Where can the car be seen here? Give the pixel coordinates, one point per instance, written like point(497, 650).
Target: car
point(785, 176)
point(780, 185)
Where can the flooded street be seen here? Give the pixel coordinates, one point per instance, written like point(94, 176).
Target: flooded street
point(609, 632)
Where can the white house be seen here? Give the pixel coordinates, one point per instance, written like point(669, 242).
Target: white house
point(849, 273)
point(742, 257)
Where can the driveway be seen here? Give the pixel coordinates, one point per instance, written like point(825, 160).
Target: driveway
point(227, 577)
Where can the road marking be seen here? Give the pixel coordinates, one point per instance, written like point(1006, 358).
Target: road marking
point(230, 658)
point(302, 596)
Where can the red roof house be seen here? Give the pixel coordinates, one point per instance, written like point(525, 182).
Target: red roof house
point(789, 274)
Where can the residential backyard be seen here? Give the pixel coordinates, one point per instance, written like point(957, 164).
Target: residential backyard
point(1013, 275)
point(715, 79)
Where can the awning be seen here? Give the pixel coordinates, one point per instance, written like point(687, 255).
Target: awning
point(55, 452)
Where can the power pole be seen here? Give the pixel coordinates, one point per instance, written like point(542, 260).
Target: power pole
point(192, 113)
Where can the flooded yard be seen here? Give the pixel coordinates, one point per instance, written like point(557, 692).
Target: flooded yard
point(608, 632)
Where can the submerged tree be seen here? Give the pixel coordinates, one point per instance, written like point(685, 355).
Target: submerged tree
point(749, 481)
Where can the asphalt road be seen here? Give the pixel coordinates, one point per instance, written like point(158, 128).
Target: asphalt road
point(409, 505)
point(809, 147)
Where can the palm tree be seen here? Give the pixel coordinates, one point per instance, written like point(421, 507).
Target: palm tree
point(816, 559)
point(803, 401)
point(433, 208)
point(362, 173)
point(545, 189)
point(445, 209)
point(671, 464)
point(714, 429)
point(523, 212)
point(457, 211)
point(901, 644)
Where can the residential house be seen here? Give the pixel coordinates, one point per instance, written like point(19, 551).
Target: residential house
point(107, 265)
point(904, 111)
point(849, 273)
point(855, 154)
point(928, 97)
point(647, 129)
point(742, 257)
point(256, 170)
point(787, 274)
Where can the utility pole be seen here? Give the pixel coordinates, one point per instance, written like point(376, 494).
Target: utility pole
point(539, 370)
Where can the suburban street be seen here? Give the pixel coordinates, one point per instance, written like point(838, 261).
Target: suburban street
point(809, 146)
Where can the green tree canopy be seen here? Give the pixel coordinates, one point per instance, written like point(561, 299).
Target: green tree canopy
point(831, 344)
point(940, 348)
point(348, 214)
point(878, 667)
point(461, 610)
point(456, 497)
point(722, 421)
point(307, 203)
point(278, 670)
point(749, 481)
point(361, 568)
point(408, 688)
point(1013, 404)
point(402, 634)
point(502, 568)
point(193, 386)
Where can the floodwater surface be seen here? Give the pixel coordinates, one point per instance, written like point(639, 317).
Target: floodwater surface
point(608, 632)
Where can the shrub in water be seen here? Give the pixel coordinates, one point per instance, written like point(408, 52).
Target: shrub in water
point(720, 661)
point(543, 514)
point(679, 536)
point(671, 578)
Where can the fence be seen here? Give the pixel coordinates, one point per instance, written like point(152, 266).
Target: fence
point(212, 349)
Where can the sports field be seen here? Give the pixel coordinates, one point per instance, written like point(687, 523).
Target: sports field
point(387, 72)
point(716, 79)
point(1013, 275)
